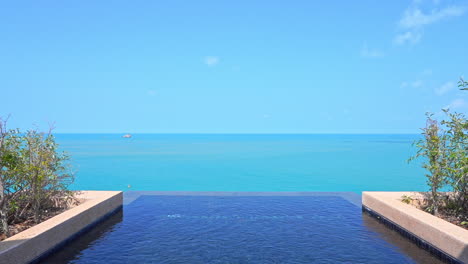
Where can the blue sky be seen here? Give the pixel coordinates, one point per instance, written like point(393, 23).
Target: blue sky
point(231, 66)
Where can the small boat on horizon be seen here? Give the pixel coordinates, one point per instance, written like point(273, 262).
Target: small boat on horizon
point(127, 136)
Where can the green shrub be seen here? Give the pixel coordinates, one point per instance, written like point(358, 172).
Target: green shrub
point(34, 176)
point(457, 159)
point(444, 148)
point(433, 148)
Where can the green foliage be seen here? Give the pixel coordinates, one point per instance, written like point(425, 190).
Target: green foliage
point(444, 148)
point(34, 175)
point(44, 169)
point(406, 199)
point(457, 158)
point(463, 84)
point(433, 148)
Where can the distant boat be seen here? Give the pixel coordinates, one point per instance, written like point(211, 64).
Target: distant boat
point(127, 136)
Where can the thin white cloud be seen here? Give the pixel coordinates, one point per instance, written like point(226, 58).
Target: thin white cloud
point(151, 92)
point(443, 89)
point(366, 52)
point(414, 84)
point(410, 37)
point(415, 18)
point(457, 104)
point(417, 83)
point(211, 60)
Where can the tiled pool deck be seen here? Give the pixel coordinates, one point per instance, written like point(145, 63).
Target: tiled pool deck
point(241, 227)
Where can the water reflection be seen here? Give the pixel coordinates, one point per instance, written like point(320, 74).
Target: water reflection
point(84, 241)
point(393, 237)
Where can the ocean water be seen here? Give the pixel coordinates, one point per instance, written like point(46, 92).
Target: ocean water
point(218, 162)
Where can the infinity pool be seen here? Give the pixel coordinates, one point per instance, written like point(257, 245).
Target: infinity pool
point(202, 227)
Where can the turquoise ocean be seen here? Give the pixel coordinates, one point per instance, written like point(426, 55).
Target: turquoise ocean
point(243, 162)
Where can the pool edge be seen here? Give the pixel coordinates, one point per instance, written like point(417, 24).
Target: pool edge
point(446, 241)
point(352, 197)
point(37, 242)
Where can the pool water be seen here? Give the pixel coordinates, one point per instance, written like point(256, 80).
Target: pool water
point(192, 227)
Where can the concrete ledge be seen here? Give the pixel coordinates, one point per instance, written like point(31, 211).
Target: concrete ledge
point(40, 240)
point(445, 239)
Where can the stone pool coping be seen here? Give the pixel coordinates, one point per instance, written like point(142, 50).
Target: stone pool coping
point(448, 241)
point(40, 240)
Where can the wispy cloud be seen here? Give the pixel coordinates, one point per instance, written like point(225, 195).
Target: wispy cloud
point(457, 104)
point(414, 20)
point(414, 84)
point(443, 89)
point(211, 60)
point(151, 92)
point(420, 80)
point(366, 52)
point(409, 37)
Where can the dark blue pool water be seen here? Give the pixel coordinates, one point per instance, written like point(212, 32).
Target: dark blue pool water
point(240, 229)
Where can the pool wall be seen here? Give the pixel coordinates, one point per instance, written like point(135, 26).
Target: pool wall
point(38, 241)
point(351, 197)
point(448, 241)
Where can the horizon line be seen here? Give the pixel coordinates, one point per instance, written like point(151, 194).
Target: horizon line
point(234, 133)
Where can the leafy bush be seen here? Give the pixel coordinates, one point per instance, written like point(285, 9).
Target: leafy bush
point(433, 148)
point(34, 176)
point(457, 160)
point(444, 148)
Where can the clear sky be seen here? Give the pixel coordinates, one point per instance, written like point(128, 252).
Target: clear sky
point(231, 66)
